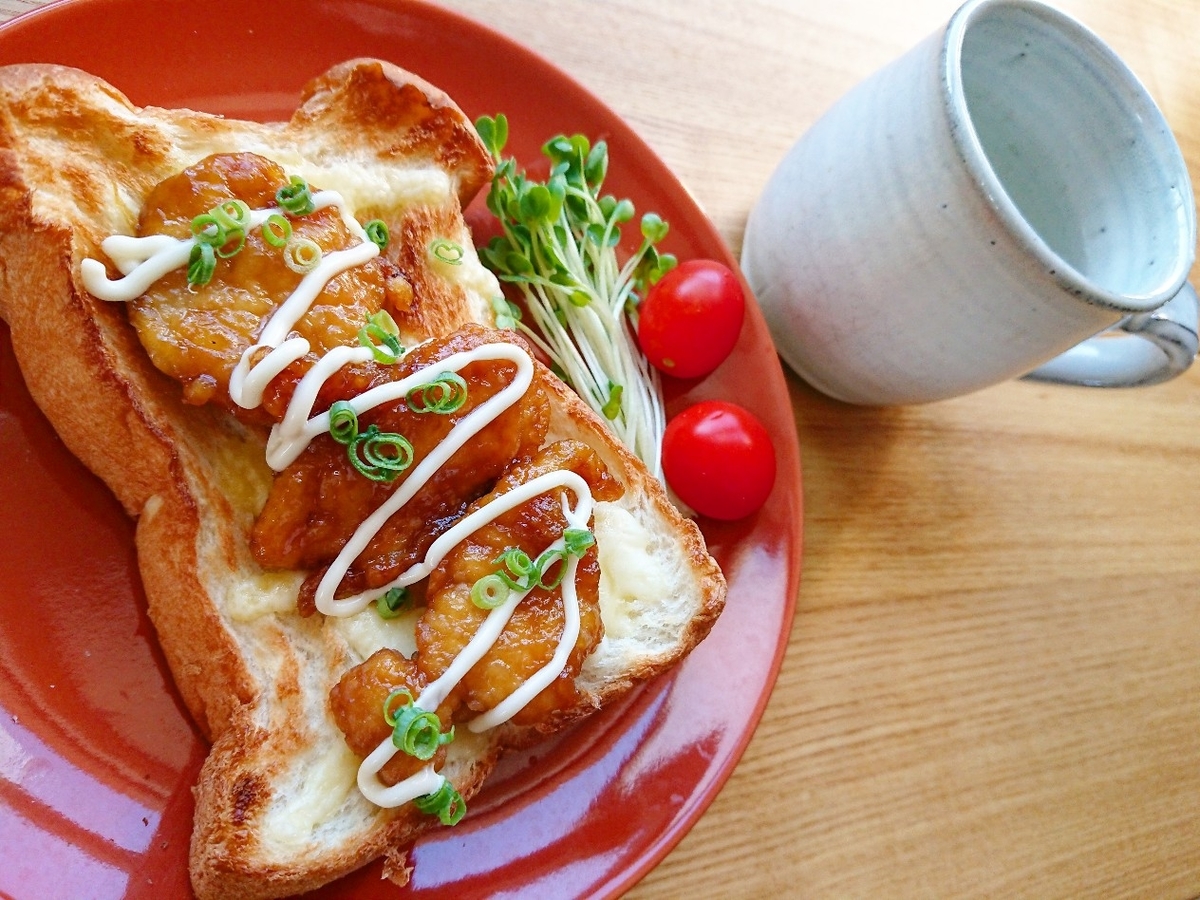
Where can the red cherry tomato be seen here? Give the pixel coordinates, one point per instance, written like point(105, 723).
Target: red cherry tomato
point(719, 460)
point(690, 318)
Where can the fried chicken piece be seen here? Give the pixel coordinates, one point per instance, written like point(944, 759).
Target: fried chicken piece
point(317, 503)
point(357, 705)
point(532, 634)
point(197, 334)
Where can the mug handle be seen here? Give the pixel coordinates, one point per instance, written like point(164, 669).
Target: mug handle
point(1145, 348)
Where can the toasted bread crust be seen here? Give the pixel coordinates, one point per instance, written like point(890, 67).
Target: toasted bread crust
point(76, 159)
point(418, 119)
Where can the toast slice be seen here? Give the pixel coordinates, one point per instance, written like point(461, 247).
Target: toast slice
point(278, 811)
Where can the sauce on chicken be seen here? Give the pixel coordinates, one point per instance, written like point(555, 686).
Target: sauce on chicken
point(529, 640)
point(317, 502)
point(203, 335)
point(198, 334)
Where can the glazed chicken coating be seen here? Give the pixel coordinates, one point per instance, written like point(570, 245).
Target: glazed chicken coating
point(451, 619)
point(197, 333)
point(318, 501)
point(531, 636)
point(356, 702)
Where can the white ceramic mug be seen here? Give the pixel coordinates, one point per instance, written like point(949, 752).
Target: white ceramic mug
point(1001, 193)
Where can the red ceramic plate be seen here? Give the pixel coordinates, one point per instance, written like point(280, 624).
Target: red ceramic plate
point(97, 755)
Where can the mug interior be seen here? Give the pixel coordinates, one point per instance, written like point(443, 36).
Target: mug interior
point(1072, 150)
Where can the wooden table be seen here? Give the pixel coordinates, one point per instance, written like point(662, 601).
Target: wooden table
point(993, 681)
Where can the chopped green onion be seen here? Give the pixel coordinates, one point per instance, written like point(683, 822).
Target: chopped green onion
point(489, 592)
point(578, 540)
point(423, 736)
point(416, 731)
point(276, 230)
point(517, 562)
point(519, 573)
point(302, 254)
point(381, 328)
point(207, 229)
point(231, 214)
point(295, 198)
point(202, 262)
point(380, 455)
point(446, 803)
point(545, 563)
point(235, 240)
point(377, 233)
point(394, 602)
point(447, 251)
point(517, 570)
point(388, 715)
point(223, 228)
point(445, 394)
point(343, 422)
point(419, 733)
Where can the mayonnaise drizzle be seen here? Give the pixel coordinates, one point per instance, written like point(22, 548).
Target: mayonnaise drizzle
point(143, 260)
point(247, 383)
point(465, 429)
point(483, 639)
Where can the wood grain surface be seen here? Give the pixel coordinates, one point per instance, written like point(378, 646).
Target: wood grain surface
point(992, 687)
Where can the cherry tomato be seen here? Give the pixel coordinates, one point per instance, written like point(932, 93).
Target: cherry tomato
point(690, 318)
point(718, 458)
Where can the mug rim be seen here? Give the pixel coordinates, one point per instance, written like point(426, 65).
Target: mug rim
point(975, 159)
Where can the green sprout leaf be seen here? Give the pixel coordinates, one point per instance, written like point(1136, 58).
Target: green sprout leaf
point(654, 229)
point(493, 133)
point(561, 249)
